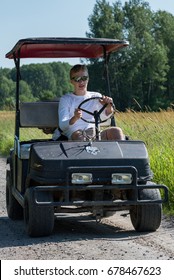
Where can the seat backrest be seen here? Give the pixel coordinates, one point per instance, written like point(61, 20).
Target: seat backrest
point(42, 114)
point(39, 114)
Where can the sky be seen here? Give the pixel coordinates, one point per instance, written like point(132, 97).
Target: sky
point(21, 19)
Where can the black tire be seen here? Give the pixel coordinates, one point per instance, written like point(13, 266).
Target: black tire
point(39, 220)
point(147, 217)
point(14, 209)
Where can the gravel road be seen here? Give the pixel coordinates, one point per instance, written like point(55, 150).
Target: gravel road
point(79, 237)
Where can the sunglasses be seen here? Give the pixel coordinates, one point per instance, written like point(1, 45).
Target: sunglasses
point(79, 79)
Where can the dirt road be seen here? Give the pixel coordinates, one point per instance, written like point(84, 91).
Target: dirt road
point(81, 238)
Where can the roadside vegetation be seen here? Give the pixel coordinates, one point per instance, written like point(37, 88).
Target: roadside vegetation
point(154, 128)
point(7, 126)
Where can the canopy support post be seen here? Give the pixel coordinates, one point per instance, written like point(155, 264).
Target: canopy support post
point(106, 71)
point(18, 77)
point(106, 74)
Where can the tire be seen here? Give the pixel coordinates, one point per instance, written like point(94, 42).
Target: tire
point(39, 220)
point(14, 209)
point(147, 217)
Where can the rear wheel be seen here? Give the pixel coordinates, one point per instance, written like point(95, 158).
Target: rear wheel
point(39, 220)
point(14, 209)
point(147, 217)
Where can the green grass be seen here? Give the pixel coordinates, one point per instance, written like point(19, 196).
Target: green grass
point(155, 129)
point(6, 131)
point(7, 125)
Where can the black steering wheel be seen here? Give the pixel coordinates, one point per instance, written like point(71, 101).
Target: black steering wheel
point(96, 114)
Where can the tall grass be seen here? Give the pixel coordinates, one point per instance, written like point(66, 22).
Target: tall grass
point(156, 129)
point(7, 127)
point(6, 131)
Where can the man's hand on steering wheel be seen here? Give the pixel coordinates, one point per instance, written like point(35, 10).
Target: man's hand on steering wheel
point(106, 105)
point(77, 113)
point(109, 101)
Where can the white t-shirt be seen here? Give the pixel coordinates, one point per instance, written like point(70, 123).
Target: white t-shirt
point(67, 105)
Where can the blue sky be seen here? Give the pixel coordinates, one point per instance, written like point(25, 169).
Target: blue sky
point(49, 18)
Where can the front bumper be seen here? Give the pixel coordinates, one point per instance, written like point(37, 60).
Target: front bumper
point(101, 183)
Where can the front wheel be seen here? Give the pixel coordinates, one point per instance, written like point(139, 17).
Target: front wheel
point(14, 209)
point(39, 220)
point(147, 217)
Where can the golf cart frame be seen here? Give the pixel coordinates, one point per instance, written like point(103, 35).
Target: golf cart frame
point(44, 176)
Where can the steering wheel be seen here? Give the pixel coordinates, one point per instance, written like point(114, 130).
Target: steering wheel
point(96, 114)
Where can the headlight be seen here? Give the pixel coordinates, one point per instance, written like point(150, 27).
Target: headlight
point(121, 178)
point(81, 178)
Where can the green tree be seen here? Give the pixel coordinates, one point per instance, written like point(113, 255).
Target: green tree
point(25, 92)
point(164, 34)
point(7, 91)
point(148, 58)
point(139, 72)
point(61, 75)
point(40, 78)
point(105, 21)
point(46, 81)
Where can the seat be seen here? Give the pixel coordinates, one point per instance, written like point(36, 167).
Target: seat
point(39, 114)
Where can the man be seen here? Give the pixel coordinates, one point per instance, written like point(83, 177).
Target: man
point(70, 121)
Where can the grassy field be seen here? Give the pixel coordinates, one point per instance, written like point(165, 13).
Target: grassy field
point(7, 126)
point(155, 129)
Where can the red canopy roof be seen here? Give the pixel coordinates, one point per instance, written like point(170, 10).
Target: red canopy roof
point(64, 47)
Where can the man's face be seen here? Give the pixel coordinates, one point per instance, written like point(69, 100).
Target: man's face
point(80, 82)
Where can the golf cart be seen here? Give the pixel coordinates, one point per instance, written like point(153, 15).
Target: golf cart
point(46, 178)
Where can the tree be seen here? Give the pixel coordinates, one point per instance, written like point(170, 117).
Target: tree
point(139, 72)
point(105, 21)
point(7, 91)
point(47, 80)
point(40, 78)
point(149, 63)
point(26, 93)
point(61, 75)
point(163, 30)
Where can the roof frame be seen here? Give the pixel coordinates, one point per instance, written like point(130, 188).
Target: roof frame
point(64, 47)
